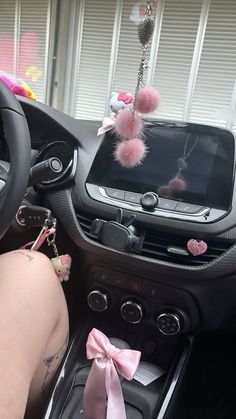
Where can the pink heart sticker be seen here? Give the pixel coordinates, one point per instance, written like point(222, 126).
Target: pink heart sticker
point(196, 247)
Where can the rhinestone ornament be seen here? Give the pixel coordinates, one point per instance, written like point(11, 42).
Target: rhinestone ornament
point(145, 30)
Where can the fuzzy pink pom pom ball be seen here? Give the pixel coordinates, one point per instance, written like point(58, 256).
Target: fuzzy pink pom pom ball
point(127, 125)
point(130, 153)
point(147, 100)
point(165, 191)
point(177, 183)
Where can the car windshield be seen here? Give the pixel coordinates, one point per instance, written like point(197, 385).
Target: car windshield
point(75, 55)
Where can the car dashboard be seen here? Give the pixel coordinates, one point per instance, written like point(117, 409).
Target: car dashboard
point(157, 292)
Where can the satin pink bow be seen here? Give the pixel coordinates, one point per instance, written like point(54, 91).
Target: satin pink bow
point(103, 388)
point(107, 125)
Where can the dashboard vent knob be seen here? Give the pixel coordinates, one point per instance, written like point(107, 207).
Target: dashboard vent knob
point(98, 300)
point(131, 311)
point(169, 323)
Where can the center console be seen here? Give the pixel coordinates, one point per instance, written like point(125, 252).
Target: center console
point(147, 396)
point(158, 296)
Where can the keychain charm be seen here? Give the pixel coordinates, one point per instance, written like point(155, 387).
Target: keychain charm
point(62, 266)
point(60, 263)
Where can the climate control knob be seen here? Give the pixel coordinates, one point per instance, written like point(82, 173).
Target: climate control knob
point(98, 300)
point(169, 323)
point(131, 311)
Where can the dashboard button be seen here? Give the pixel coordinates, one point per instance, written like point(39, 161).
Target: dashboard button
point(167, 204)
point(115, 193)
point(188, 208)
point(149, 200)
point(133, 197)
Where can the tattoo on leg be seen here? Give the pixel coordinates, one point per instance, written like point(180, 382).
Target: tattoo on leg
point(27, 255)
point(53, 361)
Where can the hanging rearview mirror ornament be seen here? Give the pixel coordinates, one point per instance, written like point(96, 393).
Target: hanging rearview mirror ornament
point(126, 121)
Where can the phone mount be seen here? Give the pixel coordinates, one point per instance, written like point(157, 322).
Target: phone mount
point(118, 236)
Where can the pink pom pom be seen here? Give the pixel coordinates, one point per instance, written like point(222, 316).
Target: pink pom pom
point(165, 191)
point(177, 183)
point(130, 153)
point(127, 125)
point(147, 99)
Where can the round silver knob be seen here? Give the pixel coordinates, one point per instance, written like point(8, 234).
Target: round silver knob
point(97, 300)
point(169, 323)
point(131, 311)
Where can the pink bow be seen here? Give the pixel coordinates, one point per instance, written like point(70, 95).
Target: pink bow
point(125, 97)
point(107, 125)
point(103, 386)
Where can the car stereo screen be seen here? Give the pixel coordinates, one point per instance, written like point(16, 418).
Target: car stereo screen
point(192, 164)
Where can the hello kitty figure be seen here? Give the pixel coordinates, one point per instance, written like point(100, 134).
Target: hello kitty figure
point(62, 265)
point(121, 100)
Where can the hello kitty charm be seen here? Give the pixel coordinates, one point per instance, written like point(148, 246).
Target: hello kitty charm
point(62, 265)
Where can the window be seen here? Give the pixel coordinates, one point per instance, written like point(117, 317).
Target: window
point(24, 43)
point(192, 58)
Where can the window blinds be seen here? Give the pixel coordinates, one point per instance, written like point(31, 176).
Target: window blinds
point(7, 27)
point(175, 54)
point(24, 41)
point(206, 89)
point(94, 59)
point(217, 71)
point(129, 48)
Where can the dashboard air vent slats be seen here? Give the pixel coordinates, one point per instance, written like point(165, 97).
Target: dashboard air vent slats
point(158, 245)
point(85, 222)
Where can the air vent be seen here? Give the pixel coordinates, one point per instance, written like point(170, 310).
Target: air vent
point(160, 246)
point(85, 222)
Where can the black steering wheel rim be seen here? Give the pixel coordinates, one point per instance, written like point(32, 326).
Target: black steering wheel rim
point(16, 133)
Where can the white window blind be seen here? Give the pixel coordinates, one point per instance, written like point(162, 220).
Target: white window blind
point(217, 71)
point(94, 59)
point(24, 42)
point(129, 48)
point(175, 54)
point(193, 58)
point(7, 27)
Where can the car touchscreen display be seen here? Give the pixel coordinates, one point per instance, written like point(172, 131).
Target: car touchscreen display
point(191, 163)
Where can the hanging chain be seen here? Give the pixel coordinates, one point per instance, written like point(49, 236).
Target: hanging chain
point(187, 152)
point(148, 11)
point(145, 31)
point(52, 241)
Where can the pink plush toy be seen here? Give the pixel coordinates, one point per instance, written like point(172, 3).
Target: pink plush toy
point(62, 265)
point(17, 89)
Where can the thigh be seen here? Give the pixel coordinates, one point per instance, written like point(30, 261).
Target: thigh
point(33, 329)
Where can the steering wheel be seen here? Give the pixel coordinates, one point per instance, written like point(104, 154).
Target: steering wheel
point(13, 184)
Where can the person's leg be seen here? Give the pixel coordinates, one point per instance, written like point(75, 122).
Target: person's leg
point(33, 330)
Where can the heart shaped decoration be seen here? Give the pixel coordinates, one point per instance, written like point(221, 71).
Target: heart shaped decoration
point(145, 31)
point(196, 247)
